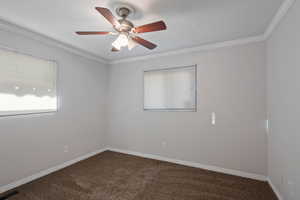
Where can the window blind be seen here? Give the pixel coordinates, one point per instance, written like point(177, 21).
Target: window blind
point(27, 84)
point(170, 89)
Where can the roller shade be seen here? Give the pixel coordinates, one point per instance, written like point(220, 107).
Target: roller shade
point(27, 84)
point(170, 89)
point(24, 75)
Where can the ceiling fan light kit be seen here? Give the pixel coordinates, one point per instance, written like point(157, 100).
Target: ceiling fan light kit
point(121, 41)
point(126, 31)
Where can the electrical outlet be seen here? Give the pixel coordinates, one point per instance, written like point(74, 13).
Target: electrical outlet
point(164, 144)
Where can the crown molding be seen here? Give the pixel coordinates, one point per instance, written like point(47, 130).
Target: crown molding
point(205, 47)
point(11, 27)
point(281, 13)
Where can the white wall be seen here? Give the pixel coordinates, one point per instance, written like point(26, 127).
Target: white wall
point(283, 71)
point(231, 82)
point(29, 144)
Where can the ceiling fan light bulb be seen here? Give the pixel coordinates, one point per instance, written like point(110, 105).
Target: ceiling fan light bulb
point(131, 44)
point(121, 41)
point(116, 45)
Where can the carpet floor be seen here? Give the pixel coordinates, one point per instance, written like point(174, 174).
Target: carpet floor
point(116, 176)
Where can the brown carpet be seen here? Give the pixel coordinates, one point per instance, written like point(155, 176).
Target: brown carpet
point(115, 176)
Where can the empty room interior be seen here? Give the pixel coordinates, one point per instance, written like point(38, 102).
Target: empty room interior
point(149, 100)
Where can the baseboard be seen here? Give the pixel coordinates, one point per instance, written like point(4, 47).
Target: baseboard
point(47, 171)
point(194, 164)
point(275, 189)
point(151, 156)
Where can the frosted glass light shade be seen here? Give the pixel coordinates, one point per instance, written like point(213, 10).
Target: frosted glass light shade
point(121, 41)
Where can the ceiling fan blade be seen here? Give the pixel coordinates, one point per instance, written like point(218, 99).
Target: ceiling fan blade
point(143, 42)
point(92, 33)
point(108, 15)
point(156, 26)
point(114, 49)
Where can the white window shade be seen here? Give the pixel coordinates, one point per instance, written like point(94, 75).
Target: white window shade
point(27, 84)
point(170, 89)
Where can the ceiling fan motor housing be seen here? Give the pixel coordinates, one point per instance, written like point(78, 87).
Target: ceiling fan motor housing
point(126, 26)
point(124, 11)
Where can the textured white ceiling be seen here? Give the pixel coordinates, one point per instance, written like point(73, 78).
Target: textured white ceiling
point(190, 22)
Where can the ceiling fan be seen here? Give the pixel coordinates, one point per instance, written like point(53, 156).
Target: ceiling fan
point(125, 29)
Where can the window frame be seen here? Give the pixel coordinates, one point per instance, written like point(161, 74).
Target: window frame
point(171, 109)
point(58, 97)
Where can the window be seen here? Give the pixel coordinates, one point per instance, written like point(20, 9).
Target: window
point(27, 84)
point(170, 89)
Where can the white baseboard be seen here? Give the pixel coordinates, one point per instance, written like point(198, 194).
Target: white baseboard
point(47, 171)
point(194, 164)
point(151, 156)
point(275, 189)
